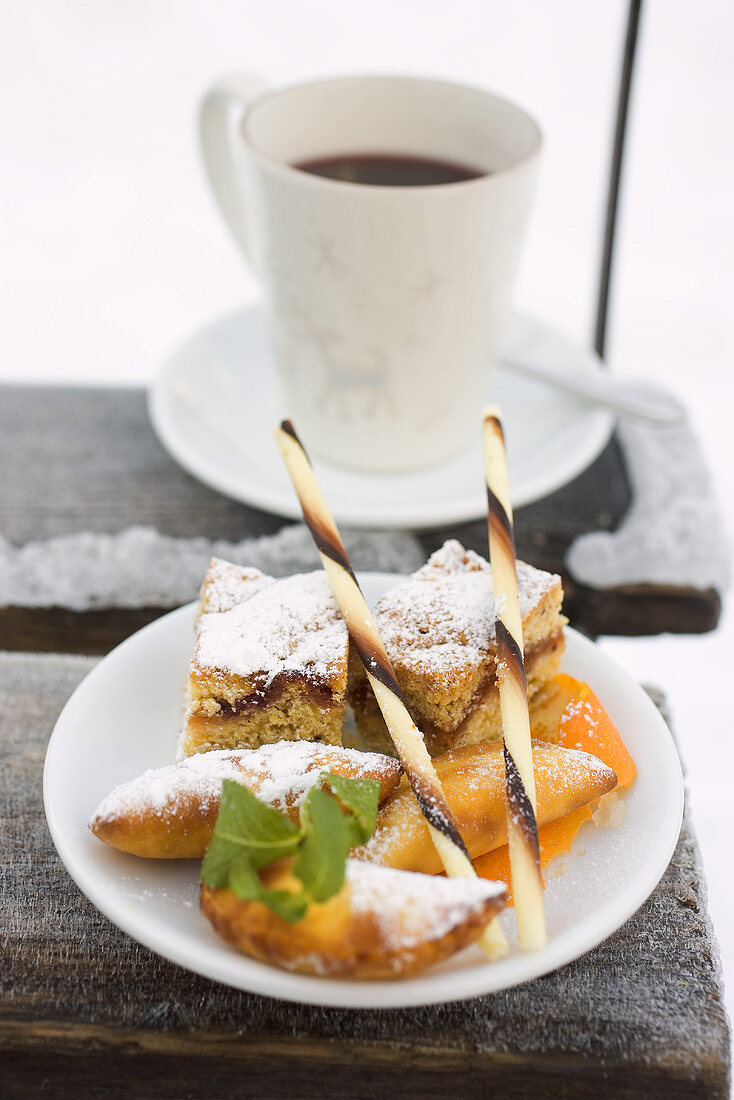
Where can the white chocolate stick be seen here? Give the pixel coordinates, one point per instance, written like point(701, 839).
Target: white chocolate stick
point(522, 828)
point(406, 737)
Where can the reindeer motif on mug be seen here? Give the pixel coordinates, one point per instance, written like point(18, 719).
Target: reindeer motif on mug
point(356, 385)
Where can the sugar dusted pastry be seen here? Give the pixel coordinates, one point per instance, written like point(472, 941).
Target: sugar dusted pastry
point(270, 662)
point(439, 633)
point(473, 780)
point(383, 924)
point(169, 813)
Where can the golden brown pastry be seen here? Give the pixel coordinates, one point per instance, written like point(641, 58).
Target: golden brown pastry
point(438, 629)
point(473, 780)
point(383, 924)
point(169, 813)
point(270, 662)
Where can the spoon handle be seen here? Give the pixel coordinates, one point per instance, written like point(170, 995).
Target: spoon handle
point(629, 399)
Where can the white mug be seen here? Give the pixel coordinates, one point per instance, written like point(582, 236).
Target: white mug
point(386, 304)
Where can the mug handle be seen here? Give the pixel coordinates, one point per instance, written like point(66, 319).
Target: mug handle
point(219, 152)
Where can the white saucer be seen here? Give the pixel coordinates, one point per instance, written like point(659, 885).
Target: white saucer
point(590, 891)
point(215, 403)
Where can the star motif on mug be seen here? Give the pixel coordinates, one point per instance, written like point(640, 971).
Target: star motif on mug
point(325, 248)
point(426, 287)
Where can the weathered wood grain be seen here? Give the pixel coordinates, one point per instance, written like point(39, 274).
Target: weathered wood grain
point(59, 630)
point(76, 459)
point(85, 1011)
point(84, 1066)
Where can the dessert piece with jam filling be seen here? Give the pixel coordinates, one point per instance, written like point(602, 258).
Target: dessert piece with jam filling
point(438, 629)
point(270, 662)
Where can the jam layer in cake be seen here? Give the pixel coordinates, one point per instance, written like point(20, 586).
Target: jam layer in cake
point(438, 629)
point(270, 662)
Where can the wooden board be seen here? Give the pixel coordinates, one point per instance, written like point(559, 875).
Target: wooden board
point(76, 459)
point(87, 1012)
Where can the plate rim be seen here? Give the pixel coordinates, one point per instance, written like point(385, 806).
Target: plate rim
point(283, 503)
point(429, 988)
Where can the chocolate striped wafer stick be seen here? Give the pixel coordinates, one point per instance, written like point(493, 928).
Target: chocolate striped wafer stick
point(406, 737)
point(522, 828)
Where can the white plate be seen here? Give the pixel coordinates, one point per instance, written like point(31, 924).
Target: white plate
point(124, 718)
point(214, 406)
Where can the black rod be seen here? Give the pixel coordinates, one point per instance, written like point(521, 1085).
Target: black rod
point(615, 175)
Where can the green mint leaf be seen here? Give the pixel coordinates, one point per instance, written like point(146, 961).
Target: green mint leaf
point(249, 835)
point(289, 906)
point(246, 826)
point(361, 797)
point(218, 858)
point(322, 856)
point(245, 882)
point(265, 833)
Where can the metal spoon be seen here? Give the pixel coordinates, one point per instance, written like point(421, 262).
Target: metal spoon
point(629, 399)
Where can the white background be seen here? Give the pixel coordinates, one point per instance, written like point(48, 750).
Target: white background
point(111, 250)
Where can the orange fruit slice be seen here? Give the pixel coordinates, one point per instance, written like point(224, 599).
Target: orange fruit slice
point(583, 724)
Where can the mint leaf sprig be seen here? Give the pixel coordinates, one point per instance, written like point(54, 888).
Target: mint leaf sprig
point(249, 835)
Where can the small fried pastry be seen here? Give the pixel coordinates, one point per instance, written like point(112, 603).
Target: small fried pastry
point(169, 813)
point(473, 779)
point(383, 924)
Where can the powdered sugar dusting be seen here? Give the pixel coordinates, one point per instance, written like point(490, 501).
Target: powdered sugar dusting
point(411, 908)
point(292, 624)
point(291, 768)
point(226, 585)
point(159, 791)
point(281, 775)
point(556, 767)
point(452, 557)
point(443, 616)
point(571, 770)
point(581, 707)
point(578, 776)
